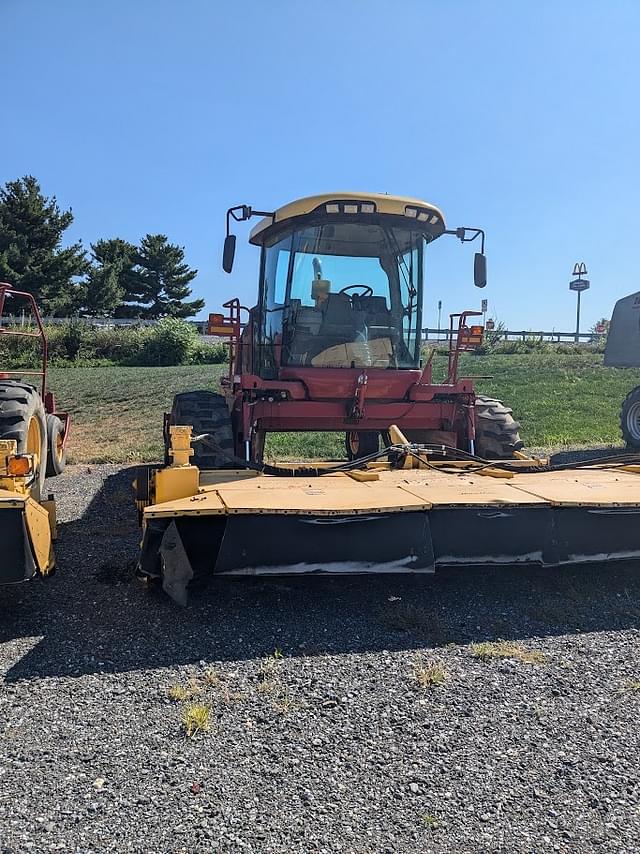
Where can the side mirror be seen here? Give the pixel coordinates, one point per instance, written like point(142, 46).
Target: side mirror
point(228, 253)
point(480, 270)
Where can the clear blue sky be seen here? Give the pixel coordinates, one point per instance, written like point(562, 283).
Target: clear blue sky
point(520, 117)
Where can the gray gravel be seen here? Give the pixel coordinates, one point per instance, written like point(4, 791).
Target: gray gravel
point(321, 738)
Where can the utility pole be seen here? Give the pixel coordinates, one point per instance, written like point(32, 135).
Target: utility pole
point(439, 314)
point(578, 284)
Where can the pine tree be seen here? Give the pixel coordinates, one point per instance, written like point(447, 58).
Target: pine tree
point(104, 292)
point(31, 254)
point(164, 279)
point(113, 278)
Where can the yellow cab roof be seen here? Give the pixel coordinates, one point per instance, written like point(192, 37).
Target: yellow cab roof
point(385, 204)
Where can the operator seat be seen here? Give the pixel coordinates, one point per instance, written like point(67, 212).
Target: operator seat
point(338, 322)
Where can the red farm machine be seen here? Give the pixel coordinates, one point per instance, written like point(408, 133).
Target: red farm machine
point(33, 436)
point(334, 344)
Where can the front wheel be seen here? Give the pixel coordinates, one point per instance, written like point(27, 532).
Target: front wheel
point(361, 443)
point(630, 418)
point(497, 431)
point(205, 412)
point(56, 453)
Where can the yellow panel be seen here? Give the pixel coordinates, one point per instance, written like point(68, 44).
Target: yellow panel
point(461, 491)
point(363, 476)
point(39, 528)
point(589, 487)
point(404, 490)
point(11, 499)
point(321, 498)
point(269, 483)
point(204, 504)
point(176, 482)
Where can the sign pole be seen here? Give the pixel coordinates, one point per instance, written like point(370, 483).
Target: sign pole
point(578, 285)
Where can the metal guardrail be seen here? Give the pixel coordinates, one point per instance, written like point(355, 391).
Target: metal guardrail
point(430, 335)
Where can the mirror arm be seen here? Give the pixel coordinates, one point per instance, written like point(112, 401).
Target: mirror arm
point(240, 213)
point(467, 235)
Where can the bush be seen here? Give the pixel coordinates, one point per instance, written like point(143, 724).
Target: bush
point(169, 342)
point(76, 342)
point(208, 354)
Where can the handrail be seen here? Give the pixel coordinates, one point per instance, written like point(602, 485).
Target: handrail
point(7, 290)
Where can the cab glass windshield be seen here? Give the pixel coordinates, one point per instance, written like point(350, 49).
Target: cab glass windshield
point(343, 295)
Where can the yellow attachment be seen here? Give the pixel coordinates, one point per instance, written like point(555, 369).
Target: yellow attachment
point(180, 450)
point(176, 482)
point(397, 436)
point(410, 462)
point(363, 476)
point(50, 506)
point(38, 522)
point(492, 472)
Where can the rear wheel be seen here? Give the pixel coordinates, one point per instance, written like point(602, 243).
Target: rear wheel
point(204, 412)
point(497, 436)
point(56, 453)
point(22, 417)
point(630, 418)
point(361, 443)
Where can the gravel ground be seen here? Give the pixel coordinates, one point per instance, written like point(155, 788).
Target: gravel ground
point(345, 715)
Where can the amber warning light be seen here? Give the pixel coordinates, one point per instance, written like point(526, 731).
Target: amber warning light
point(218, 324)
point(19, 466)
point(472, 336)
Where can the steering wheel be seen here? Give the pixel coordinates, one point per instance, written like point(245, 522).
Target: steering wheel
point(367, 291)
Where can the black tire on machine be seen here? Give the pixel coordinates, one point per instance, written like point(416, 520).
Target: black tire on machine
point(205, 412)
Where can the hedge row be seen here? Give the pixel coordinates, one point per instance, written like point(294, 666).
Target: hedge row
point(169, 342)
point(519, 348)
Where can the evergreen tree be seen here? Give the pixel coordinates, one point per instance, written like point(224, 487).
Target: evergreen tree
point(31, 254)
point(113, 278)
point(104, 293)
point(164, 279)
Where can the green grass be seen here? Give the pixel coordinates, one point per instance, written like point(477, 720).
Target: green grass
point(117, 412)
point(559, 400)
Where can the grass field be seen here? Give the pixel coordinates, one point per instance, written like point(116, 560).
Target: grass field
point(561, 401)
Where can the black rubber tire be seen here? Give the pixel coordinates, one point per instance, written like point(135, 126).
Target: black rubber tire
point(205, 412)
point(361, 443)
point(630, 418)
point(19, 403)
point(56, 462)
point(497, 436)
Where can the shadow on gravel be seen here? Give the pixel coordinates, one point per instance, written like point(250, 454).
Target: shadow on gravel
point(93, 616)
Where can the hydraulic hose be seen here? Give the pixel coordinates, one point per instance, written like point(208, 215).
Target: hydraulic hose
point(398, 453)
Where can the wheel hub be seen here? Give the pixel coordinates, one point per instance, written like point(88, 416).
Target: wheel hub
point(633, 421)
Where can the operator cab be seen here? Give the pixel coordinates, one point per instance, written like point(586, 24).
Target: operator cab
point(341, 282)
point(341, 287)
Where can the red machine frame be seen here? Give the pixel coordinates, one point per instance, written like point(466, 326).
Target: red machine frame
point(345, 399)
point(7, 290)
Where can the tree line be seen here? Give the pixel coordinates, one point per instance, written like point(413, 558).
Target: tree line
point(114, 278)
